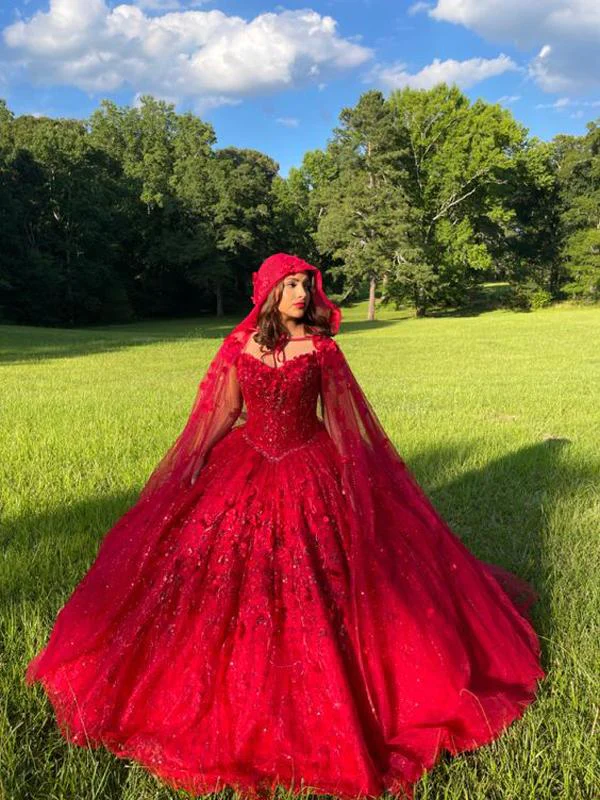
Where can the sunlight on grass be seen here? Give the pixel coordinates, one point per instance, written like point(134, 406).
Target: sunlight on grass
point(497, 416)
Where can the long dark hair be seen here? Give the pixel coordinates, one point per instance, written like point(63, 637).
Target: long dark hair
point(272, 333)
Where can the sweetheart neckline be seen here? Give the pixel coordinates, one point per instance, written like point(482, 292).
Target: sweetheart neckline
point(285, 363)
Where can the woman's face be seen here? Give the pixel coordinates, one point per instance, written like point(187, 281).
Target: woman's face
point(295, 295)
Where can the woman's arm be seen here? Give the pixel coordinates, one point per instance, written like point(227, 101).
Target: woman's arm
point(225, 418)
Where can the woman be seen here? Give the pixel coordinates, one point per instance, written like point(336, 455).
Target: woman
point(283, 604)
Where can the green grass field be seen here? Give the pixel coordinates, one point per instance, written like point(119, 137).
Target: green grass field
point(497, 415)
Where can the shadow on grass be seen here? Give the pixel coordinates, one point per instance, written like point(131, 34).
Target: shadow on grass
point(479, 506)
point(24, 344)
point(20, 343)
point(481, 300)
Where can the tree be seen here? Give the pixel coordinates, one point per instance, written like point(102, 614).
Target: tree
point(64, 273)
point(416, 199)
point(456, 159)
point(579, 177)
point(362, 219)
point(147, 141)
point(292, 226)
point(528, 249)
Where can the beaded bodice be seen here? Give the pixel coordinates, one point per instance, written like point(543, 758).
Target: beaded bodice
point(281, 402)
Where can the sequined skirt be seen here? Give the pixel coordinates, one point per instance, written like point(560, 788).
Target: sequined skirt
point(236, 661)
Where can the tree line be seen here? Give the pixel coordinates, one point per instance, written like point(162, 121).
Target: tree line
point(418, 198)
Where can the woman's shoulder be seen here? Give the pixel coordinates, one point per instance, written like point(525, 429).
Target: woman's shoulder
point(325, 337)
point(325, 344)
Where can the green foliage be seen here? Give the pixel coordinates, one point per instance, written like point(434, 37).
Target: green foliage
point(541, 298)
point(578, 161)
point(426, 195)
point(533, 235)
point(60, 214)
point(362, 223)
point(455, 160)
point(583, 264)
point(417, 199)
point(518, 297)
point(526, 296)
point(129, 214)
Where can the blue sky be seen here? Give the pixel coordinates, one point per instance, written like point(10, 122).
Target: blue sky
point(274, 76)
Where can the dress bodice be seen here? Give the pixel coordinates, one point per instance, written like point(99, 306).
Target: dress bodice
point(281, 402)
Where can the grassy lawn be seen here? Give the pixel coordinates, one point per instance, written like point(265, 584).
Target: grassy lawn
point(497, 414)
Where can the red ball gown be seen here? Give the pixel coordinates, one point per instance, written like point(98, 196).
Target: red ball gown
point(300, 615)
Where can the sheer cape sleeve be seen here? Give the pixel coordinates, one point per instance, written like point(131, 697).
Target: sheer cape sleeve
point(375, 474)
point(415, 588)
point(217, 407)
point(112, 583)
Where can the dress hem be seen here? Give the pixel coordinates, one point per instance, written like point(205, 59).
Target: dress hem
point(260, 786)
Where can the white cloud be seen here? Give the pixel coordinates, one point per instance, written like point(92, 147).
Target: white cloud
point(464, 73)
point(207, 102)
point(289, 122)
point(566, 34)
point(207, 56)
point(508, 99)
point(415, 8)
point(168, 5)
point(158, 5)
point(567, 102)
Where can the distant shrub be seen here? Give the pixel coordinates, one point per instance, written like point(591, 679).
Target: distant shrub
point(518, 298)
point(527, 296)
point(540, 298)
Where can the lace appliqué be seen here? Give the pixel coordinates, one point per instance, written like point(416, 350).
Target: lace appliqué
point(281, 403)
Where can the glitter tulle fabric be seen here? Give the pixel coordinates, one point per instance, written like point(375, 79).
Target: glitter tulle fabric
point(301, 616)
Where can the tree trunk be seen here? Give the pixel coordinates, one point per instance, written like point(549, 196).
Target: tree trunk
point(219, 294)
point(384, 283)
point(372, 285)
point(420, 304)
